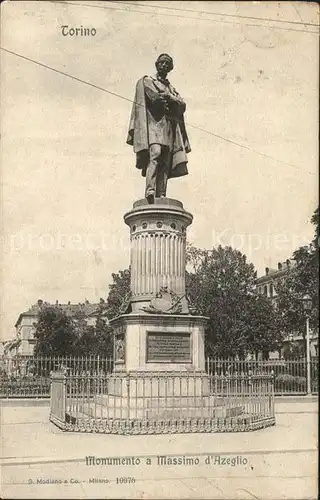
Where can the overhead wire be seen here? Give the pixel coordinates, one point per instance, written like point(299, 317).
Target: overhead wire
point(214, 13)
point(297, 11)
point(115, 94)
point(104, 7)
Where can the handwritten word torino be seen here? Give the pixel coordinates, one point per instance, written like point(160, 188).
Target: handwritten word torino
point(68, 31)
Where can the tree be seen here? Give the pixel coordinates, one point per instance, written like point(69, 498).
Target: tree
point(103, 333)
point(119, 292)
point(94, 339)
point(306, 275)
point(98, 339)
point(302, 279)
point(84, 335)
point(54, 332)
point(292, 350)
point(264, 334)
point(60, 335)
point(221, 285)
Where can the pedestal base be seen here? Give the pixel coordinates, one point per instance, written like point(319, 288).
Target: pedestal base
point(160, 385)
point(159, 343)
point(117, 407)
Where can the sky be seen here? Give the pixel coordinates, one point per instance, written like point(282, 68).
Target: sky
point(248, 72)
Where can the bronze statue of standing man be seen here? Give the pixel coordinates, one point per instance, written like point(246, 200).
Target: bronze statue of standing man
point(157, 130)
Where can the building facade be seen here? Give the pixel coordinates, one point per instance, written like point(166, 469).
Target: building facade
point(267, 285)
point(24, 342)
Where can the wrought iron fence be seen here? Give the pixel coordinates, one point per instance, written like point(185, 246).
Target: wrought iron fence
point(162, 402)
point(29, 376)
point(290, 376)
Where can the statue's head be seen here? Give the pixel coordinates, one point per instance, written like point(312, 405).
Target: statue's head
point(164, 64)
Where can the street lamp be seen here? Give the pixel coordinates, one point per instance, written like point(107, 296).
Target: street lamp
point(307, 306)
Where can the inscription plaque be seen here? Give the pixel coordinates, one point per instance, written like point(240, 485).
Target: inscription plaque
point(169, 347)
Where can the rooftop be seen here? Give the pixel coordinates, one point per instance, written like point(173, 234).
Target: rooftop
point(282, 268)
point(71, 310)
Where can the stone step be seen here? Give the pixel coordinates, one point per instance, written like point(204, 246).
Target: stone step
point(155, 402)
point(102, 412)
point(218, 412)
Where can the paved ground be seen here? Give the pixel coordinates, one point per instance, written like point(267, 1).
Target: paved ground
point(276, 463)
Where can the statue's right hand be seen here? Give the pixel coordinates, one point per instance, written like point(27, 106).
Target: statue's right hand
point(164, 103)
point(163, 98)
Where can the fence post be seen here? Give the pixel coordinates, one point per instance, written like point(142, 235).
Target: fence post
point(308, 358)
point(64, 393)
point(58, 397)
point(251, 403)
point(128, 400)
point(271, 396)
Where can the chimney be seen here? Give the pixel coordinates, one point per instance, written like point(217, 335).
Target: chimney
point(267, 271)
point(288, 262)
point(279, 266)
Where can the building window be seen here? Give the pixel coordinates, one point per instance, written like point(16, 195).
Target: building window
point(265, 290)
point(271, 289)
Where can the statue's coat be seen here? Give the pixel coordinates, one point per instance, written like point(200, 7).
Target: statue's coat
point(138, 137)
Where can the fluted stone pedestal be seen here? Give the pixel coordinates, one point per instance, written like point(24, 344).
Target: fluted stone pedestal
point(158, 243)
